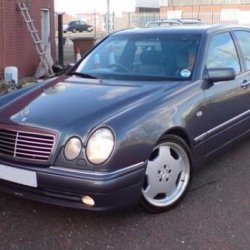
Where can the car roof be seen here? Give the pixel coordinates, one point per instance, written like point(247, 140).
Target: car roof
point(177, 29)
point(176, 21)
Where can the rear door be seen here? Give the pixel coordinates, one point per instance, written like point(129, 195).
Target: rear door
point(45, 28)
point(228, 102)
point(243, 40)
point(79, 26)
point(83, 26)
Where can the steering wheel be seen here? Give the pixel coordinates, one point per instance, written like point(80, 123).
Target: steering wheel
point(118, 66)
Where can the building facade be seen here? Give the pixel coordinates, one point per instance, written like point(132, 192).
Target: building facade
point(211, 11)
point(201, 2)
point(16, 45)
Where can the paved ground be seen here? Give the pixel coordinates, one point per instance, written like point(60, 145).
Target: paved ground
point(214, 215)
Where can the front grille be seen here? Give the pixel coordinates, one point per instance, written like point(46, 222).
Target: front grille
point(26, 145)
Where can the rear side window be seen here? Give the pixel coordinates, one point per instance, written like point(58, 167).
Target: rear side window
point(243, 38)
point(222, 53)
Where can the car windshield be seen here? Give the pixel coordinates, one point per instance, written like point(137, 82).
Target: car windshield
point(143, 57)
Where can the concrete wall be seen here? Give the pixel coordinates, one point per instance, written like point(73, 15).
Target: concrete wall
point(147, 4)
point(205, 8)
point(238, 13)
point(16, 46)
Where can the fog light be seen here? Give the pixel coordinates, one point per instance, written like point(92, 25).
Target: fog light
point(87, 200)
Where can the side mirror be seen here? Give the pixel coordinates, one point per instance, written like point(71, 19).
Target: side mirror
point(69, 67)
point(220, 74)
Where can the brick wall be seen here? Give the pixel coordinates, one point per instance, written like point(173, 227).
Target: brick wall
point(16, 46)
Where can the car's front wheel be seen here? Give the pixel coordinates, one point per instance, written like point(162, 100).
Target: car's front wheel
point(168, 174)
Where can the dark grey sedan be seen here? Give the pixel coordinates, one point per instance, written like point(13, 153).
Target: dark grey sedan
point(129, 122)
point(77, 25)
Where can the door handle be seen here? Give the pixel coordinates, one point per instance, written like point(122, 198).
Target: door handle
point(245, 84)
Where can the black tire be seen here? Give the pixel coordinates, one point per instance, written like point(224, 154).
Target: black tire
point(168, 175)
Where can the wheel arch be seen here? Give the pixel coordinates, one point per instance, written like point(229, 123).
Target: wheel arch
point(177, 141)
point(178, 131)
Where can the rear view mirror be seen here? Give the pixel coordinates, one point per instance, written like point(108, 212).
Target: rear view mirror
point(69, 67)
point(220, 74)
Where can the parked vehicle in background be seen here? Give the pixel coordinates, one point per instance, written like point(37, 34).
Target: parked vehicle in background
point(169, 22)
point(130, 120)
point(77, 25)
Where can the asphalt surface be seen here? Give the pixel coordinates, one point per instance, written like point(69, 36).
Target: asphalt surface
point(214, 215)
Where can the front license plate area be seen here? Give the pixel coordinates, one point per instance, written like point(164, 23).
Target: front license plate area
point(20, 176)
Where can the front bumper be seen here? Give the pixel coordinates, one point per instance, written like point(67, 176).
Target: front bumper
point(63, 187)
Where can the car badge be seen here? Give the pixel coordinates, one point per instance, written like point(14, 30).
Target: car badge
point(25, 112)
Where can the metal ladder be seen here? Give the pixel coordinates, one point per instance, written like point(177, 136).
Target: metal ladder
point(46, 62)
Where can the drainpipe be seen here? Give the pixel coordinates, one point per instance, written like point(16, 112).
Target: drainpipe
point(60, 39)
point(108, 17)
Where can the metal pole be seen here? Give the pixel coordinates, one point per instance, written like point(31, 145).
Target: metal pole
point(95, 22)
point(113, 21)
point(129, 20)
point(60, 39)
point(108, 16)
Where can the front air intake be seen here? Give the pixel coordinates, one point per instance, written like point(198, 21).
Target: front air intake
point(26, 146)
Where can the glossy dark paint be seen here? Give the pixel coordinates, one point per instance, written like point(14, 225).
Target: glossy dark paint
point(219, 75)
point(61, 187)
point(139, 113)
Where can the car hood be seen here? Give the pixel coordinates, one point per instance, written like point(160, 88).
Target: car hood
point(69, 101)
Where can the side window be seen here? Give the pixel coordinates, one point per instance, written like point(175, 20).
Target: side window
point(222, 53)
point(243, 38)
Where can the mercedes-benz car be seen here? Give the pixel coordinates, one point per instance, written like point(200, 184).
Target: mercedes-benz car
point(130, 121)
point(77, 25)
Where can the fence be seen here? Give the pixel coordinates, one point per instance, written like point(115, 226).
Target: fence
point(234, 15)
point(135, 20)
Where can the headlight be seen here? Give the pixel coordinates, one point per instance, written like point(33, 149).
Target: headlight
point(72, 148)
point(100, 146)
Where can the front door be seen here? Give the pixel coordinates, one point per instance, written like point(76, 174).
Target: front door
point(45, 29)
point(227, 111)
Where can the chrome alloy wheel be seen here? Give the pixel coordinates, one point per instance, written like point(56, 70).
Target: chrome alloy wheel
point(167, 175)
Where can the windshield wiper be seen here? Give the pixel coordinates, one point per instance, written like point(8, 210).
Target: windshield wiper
point(84, 75)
